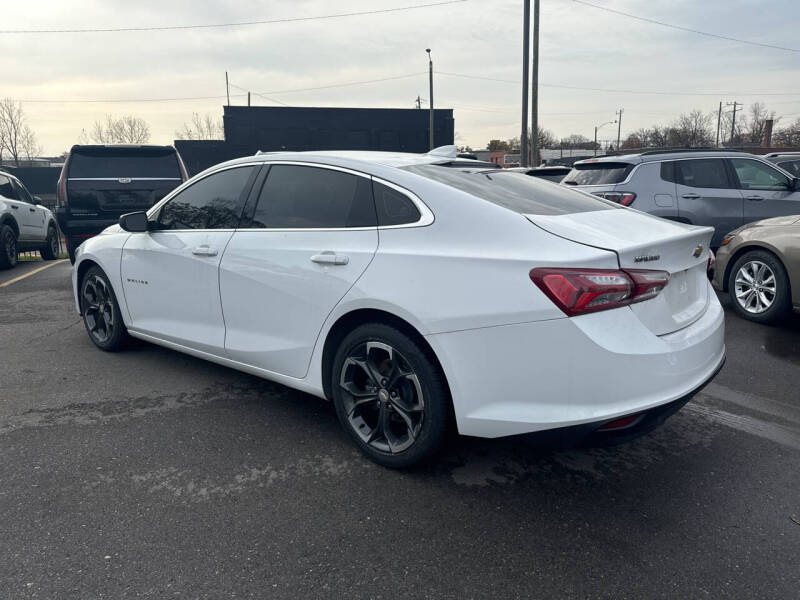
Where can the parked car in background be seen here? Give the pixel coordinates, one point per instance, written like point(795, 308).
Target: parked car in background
point(550, 173)
point(414, 289)
point(788, 161)
point(24, 223)
point(98, 183)
point(758, 264)
point(724, 189)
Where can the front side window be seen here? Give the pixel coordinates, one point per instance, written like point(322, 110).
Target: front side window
point(755, 175)
point(22, 193)
point(214, 202)
point(598, 173)
point(702, 173)
point(300, 197)
point(791, 166)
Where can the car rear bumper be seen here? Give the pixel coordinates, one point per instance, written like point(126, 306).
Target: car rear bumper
point(82, 227)
point(560, 373)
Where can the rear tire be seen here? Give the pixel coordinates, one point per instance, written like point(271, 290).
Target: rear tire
point(759, 287)
point(50, 249)
point(101, 313)
point(389, 396)
point(8, 247)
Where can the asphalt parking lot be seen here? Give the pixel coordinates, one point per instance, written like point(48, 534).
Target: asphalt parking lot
point(153, 474)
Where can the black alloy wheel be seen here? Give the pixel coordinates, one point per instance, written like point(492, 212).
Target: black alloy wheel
point(388, 396)
point(50, 249)
point(8, 247)
point(101, 314)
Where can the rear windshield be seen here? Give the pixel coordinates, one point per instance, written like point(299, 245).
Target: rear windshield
point(515, 191)
point(599, 173)
point(124, 162)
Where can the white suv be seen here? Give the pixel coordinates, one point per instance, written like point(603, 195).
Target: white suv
point(24, 223)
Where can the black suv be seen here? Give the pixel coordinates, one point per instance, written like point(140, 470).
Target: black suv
point(100, 183)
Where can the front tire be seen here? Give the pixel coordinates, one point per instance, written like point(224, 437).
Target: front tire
point(759, 287)
point(50, 249)
point(8, 247)
point(101, 314)
point(389, 396)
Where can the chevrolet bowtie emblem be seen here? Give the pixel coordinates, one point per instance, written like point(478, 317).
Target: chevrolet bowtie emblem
point(698, 251)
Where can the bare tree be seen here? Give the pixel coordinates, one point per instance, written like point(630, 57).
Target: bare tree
point(201, 128)
point(28, 143)
point(547, 138)
point(123, 130)
point(756, 125)
point(12, 122)
point(692, 130)
point(789, 135)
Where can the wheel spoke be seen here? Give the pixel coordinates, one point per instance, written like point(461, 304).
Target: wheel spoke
point(401, 412)
point(379, 424)
point(361, 402)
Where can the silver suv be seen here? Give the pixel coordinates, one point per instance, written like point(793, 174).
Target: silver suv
point(788, 161)
point(721, 188)
point(24, 223)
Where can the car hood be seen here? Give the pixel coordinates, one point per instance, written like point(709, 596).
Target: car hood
point(773, 222)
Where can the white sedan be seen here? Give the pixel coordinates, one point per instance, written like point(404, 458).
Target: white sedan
point(417, 292)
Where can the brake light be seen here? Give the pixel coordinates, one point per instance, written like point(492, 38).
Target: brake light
point(623, 198)
point(62, 189)
point(580, 291)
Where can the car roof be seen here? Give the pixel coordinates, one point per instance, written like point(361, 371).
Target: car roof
point(661, 154)
point(368, 157)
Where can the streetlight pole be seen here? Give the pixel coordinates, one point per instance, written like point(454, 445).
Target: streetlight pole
point(596, 127)
point(523, 136)
point(535, 88)
point(430, 95)
point(619, 127)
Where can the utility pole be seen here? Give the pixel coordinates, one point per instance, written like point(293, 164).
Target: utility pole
point(526, 34)
point(430, 97)
point(535, 88)
point(733, 120)
point(619, 127)
point(227, 88)
point(719, 121)
point(419, 102)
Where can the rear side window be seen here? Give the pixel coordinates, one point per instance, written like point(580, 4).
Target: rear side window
point(668, 171)
point(791, 166)
point(6, 189)
point(702, 173)
point(515, 191)
point(123, 162)
point(299, 197)
point(393, 208)
point(214, 202)
point(22, 192)
point(599, 173)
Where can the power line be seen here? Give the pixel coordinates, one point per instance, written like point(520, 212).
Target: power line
point(238, 23)
point(123, 100)
point(687, 29)
point(338, 85)
point(593, 89)
point(260, 95)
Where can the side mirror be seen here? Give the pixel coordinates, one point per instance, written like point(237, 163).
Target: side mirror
point(795, 184)
point(37, 201)
point(135, 222)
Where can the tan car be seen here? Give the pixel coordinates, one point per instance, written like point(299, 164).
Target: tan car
point(759, 265)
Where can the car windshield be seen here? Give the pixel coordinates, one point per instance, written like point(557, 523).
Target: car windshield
point(514, 191)
point(598, 173)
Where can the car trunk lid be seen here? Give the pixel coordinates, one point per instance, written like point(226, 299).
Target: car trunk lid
point(642, 241)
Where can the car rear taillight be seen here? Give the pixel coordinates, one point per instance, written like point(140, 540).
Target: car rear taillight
point(580, 291)
point(711, 264)
point(184, 174)
point(624, 198)
point(62, 190)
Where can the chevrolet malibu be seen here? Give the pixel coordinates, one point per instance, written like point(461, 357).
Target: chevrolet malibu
point(417, 292)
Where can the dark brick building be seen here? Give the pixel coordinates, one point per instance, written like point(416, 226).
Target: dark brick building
point(269, 128)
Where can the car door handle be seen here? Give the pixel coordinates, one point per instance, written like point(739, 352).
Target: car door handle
point(204, 251)
point(755, 198)
point(330, 258)
point(15, 207)
point(691, 196)
point(32, 209)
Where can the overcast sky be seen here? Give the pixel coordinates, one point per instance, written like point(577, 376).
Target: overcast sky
point(580, 46)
